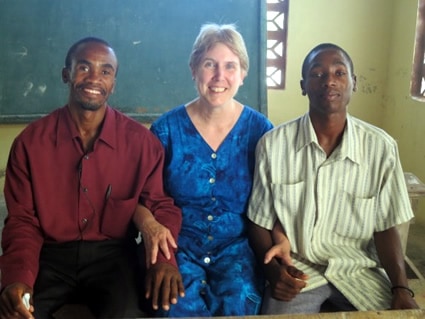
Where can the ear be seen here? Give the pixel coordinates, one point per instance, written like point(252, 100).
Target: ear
point(243, 76)
point(65, 75)
point(303, 92)
point(354, 83)
point(192, 71)
point(113, 88)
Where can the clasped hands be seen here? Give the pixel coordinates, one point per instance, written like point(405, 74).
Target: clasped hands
point(285, 279)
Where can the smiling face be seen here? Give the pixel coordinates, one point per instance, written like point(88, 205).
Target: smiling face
point(328, 81)
point(218, 76)
point(91, 76)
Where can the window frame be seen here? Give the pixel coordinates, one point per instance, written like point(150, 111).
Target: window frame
point(280, 37)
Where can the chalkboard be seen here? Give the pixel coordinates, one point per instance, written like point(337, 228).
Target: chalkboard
point(152, 39)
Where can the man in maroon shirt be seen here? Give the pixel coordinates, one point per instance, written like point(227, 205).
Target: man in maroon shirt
point(73, 181)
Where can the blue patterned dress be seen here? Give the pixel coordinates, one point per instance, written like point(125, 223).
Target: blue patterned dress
point(219, 270)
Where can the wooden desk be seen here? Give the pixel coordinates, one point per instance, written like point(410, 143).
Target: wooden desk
point(393, 314)
point(390, 314)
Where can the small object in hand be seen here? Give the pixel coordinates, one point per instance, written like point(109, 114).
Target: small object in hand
point(26, 300)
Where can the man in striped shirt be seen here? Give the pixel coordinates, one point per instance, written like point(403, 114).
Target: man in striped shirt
point(334, 186)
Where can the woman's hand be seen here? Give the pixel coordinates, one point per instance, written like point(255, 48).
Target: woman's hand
point(155, 236)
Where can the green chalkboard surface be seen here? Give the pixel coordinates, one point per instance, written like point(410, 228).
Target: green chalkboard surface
point(152, 39)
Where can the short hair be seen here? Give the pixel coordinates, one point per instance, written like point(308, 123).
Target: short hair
point(211, 34)
point(74, 47)
point(324, 46)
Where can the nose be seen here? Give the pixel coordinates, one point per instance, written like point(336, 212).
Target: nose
point(329, 80)
point(218, 71)
point(93, 75)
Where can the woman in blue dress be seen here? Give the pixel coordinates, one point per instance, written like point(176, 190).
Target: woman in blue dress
point(210, 145)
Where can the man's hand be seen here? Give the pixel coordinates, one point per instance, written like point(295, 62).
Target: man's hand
point(402, 299)
point(11, 302)
point(285, 279)
point(163, 281)
point(286, 282)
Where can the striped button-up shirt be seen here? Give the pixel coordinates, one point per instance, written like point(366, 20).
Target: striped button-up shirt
point(331, 206)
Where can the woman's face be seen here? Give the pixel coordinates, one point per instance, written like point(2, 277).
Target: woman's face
point(218, 76)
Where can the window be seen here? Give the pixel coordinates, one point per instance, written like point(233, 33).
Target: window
point(277, 25)
point(417, 85)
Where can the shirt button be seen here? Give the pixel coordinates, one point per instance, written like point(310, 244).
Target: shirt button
point(210, 217)
point(204, 282)
point(213, 155)
point(207, 260)
point(212, 180)
point(84, 220)
point(213, 199)
point(210, 237)
point(85, 189)
point(86, 157)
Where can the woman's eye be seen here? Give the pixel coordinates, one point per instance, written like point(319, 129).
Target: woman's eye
point(230, 66)
point(209, 65)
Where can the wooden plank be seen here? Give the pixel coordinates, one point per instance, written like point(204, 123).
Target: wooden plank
point(390, 314)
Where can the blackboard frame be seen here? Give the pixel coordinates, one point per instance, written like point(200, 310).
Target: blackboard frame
point(152, 38)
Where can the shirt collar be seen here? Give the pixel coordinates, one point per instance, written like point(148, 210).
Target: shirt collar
point(108, 134)
point(349, 147)
point(306, 134)
point(350, 144)
point(67, 131)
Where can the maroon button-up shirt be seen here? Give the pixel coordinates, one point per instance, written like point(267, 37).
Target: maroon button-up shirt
point(56, 193)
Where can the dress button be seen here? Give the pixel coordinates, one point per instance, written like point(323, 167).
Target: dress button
point(204, 282)
point(213, 199)
point(85, 189)
point(212, 180)
point(86, 157)
point(210, 217)
point(84, 220)
point(213, 155)
point(210, 237)
point(207, 260)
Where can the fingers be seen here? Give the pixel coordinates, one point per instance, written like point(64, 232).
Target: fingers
point(287, 283)
point(296, 273)
point(154, 254)
point(164, 284)
point(166, 295)
point(13, 306)
point(158, 240)
point(152, 290)
point(288, 288)
point(171, 240)
point(180, 287)
point(280, 253)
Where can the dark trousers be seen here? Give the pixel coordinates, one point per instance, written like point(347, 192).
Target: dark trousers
point(101, 275)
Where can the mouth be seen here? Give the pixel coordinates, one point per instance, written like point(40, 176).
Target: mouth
point(217, 89)
point(92, 91)
point(330, 95)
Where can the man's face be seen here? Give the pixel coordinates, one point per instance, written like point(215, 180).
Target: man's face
point(91, 76)
point(329, 82)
